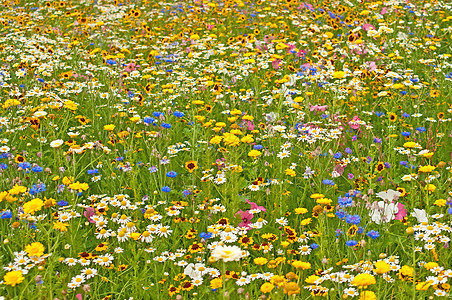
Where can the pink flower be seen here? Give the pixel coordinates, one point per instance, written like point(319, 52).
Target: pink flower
point(368, 26)
point(255, 206)
point(246, 218)
point(402, 211)
point(318, 107)
point(354, 123)
point(276, 63)
point(89, 212)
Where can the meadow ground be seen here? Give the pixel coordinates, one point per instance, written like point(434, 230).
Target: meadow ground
point(207, 149)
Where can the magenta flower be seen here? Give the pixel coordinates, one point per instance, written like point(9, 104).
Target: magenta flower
point(402, 211)
point(88, 213)
point(246, 218)
point(255, 206)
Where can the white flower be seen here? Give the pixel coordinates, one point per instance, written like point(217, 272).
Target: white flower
point(89, 272)
point(388, 195)
point(383, 212)
point(40, 114)
point(227, 253)
point(420, 215)
point(56, 143)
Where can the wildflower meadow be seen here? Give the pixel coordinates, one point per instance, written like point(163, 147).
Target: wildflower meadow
point(225, 149)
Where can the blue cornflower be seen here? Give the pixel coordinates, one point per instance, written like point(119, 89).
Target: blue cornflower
point(148, 120)
point(373, 234)
point(166, 189)
point(328, 182)
point(345, 201)
point(6, 214)
point(62, 203)
point(340, 214)
point(93, 171)
point(406, 133)
point(24, 165)
point(421, 129)
point(337, 155)
point(157, 114)
point(166, 125)
point(351, 243)
point(314, 246)
point(178, 114)
point(153, 169)
point(171, 174)
point(205, 236)
point(258, 147)
point(37, 169)
point(353, 219)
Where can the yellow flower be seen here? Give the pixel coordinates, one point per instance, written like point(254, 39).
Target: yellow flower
point(33, 206)
point(216, 140)
point(290, 172)
point(109, 127)
point(67, 180)
point(430, 188)
point(17, 189)
point(216, 283)
point(430, 265)
point(422, 286)
point(35, 249)
point(247, 139)
point(300, 211)
point(382, 267)
point(363, 280)
point(317, 196)
point(311, 279)
point(324, 201)
point(411, 145)
point(260, 261)
point(278, 280)
point(426, 169)
point(301, 265)
point(12, 278)
point(291, 288)
point(406, 272)
point(440, 202)
point(306, 222)
point(79, 186)
point(60, 226)
point(267, 287)
point(339, 74)
point(254, 153)
point(367, 295)
point(230, 139)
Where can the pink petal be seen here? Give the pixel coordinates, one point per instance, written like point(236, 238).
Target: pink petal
point(402, 211)
point(368, 26)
